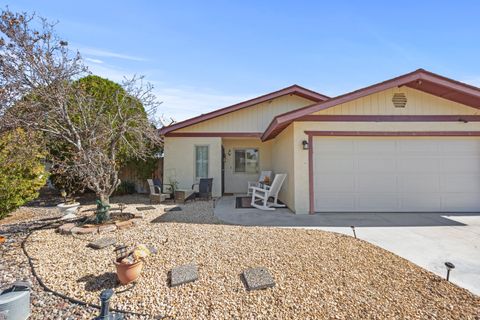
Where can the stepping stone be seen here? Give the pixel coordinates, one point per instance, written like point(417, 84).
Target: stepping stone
point(84, 230)
point(175, 209)
point(102, 243)
point(258, 278)
point(107, 228)
point(65, 229)
point(124, 224)
point(145, 208)
point(183, 274)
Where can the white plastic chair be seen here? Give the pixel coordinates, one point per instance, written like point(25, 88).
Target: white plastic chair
point(263, 194)
point(263, 175)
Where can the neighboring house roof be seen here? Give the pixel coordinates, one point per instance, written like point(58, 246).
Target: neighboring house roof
point(294, 89)
point(419, 79)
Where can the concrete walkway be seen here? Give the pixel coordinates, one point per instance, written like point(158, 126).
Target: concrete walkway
point(426, 239)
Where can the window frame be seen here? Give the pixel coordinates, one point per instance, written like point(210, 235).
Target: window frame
point(195, 173)
point(244, 150)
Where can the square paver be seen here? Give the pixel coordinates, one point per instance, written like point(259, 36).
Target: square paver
point(102, 243)
point(183, 274)
point(145, 208)
point(258, 278)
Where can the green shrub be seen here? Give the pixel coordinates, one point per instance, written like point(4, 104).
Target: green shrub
point(125, 187)
point(22, 172)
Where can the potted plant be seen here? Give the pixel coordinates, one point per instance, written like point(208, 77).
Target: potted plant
point(69, 206)
point(129, 265)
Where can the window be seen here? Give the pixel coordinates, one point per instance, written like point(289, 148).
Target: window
point(201, 162)
point(246, 160)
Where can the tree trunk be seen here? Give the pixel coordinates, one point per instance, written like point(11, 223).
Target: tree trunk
point(104, 198)
point(104, 213)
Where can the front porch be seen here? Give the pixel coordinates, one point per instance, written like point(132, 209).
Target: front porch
point(225, 210)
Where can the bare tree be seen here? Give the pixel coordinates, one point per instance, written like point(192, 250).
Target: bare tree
point(37, 91)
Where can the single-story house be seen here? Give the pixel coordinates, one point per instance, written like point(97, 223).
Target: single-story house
point(408, 144)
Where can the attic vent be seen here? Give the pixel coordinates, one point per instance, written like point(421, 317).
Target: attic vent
point(399, 100)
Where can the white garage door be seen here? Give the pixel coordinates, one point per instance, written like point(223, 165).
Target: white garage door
point(380, 174)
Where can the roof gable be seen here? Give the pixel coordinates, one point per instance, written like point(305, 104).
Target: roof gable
point(420, 79)
point(294, 89)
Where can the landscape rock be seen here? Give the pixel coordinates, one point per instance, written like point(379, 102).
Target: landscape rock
point(66, 228)
point(145, 208)
point(107, 228)
point(84, 230)
point(183, 274)
point(258, 278)
point(102, 243)
point(124, 224)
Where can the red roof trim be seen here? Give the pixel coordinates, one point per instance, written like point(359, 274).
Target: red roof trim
point(216, 134)
point(294, 89)
point(393, 133)
point(431, 82)
point(390, 118)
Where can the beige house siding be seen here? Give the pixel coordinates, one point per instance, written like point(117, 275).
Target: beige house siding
point(283, 162)
point(179, 162)
point(237, 182)
point(251, 119)
point(418, 103)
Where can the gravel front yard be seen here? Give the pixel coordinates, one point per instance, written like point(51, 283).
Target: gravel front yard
point(318, 274)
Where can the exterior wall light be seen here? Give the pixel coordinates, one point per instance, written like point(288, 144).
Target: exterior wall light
point(305, 144)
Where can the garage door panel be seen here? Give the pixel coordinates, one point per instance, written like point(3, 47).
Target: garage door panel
point(459, 183)
point(460, 164)
point(336, 202)
point(410, 164)
point(378, 202)
point(376, 164)
point(374, 147)
point(396, 174)
point(422, 183)
point(420, 202)
point(463, 202)
point(335, 164)
point(337, 147)
point(417, 147)
point(336, 183)
point(459, 147)
point(376, 183)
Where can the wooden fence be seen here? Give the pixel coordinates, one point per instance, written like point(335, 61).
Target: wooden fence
point(129, 174)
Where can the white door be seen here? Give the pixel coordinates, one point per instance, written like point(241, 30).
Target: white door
point(383, 174)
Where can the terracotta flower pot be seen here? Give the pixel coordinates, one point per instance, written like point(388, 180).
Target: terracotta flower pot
point(127, 273)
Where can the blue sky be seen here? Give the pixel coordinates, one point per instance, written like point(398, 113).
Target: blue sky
point(203, 55)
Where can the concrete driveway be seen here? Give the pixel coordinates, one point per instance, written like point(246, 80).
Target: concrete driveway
point(426, 239)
